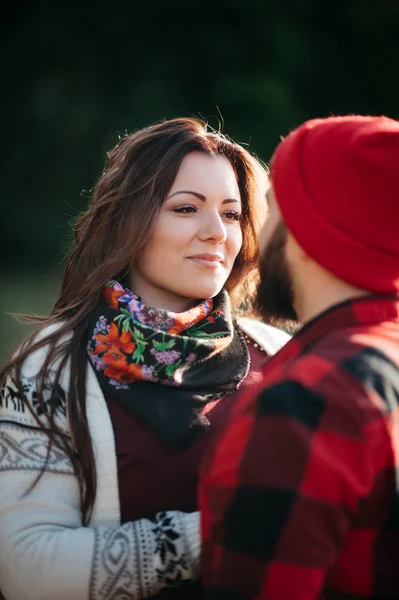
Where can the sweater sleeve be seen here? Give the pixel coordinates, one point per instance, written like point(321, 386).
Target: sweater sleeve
point(45, 552)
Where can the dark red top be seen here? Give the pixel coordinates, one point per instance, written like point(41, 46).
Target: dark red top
point(153, 477)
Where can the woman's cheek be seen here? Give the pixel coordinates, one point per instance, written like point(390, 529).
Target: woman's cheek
point(235, 241)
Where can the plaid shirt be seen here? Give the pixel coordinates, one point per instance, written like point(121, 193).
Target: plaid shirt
point(300, 493)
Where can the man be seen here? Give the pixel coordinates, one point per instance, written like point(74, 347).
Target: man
point(300, 494)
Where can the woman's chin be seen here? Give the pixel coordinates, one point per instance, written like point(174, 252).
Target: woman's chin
point(203, 292)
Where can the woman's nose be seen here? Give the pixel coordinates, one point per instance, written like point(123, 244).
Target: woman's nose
point(213, 228)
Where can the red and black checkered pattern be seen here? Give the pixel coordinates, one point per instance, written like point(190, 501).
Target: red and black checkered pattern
point(300, 493)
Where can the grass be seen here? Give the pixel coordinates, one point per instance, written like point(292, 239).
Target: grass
point(24, 291)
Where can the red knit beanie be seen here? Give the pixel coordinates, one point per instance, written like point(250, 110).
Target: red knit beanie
point(336, 181)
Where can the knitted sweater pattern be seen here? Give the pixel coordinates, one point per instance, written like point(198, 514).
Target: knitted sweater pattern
point(40, 526)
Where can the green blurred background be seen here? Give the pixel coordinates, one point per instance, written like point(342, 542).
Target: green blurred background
point(75, 75)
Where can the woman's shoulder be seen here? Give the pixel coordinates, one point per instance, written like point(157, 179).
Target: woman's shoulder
point(19, 401)
point(36, 358)
point(269, 338)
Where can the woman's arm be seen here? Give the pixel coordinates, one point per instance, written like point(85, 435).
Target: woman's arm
point(45, 553)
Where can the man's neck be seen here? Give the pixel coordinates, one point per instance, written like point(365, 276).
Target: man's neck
point(317, 301)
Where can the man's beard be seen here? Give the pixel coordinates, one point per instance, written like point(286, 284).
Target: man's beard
point(274, 300)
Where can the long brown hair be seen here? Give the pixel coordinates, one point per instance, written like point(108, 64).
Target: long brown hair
point(126, 199)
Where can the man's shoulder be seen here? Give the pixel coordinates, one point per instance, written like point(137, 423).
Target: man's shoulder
point(343, 370)
point(348, 351)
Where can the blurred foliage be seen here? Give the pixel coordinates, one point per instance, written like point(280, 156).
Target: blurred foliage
point(77, 74)
point(21, 291)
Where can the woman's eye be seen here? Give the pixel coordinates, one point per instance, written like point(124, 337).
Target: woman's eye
point(185, 209)
point(232, 215)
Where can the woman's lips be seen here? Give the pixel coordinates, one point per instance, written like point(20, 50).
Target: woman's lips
point(212, 261)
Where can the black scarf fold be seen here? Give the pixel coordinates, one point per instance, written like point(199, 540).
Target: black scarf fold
point(164, 367)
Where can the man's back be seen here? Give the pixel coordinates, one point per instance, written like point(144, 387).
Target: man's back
point(300, 496)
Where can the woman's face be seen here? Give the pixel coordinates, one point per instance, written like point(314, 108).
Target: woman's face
point(196, 237)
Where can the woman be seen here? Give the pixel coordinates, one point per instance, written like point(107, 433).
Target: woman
point(105, 413)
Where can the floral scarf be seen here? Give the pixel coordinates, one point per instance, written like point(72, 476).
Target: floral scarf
point(164, 366)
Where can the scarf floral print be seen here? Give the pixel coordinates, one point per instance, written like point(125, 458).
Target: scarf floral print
point(145, 357)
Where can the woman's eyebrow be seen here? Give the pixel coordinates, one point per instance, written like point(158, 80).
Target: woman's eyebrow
point(196, 194)
point(200, 196)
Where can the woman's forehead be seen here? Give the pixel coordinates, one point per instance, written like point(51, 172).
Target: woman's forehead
point(207, 174)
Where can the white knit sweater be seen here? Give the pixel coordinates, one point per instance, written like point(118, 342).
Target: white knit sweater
point(45, 552)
